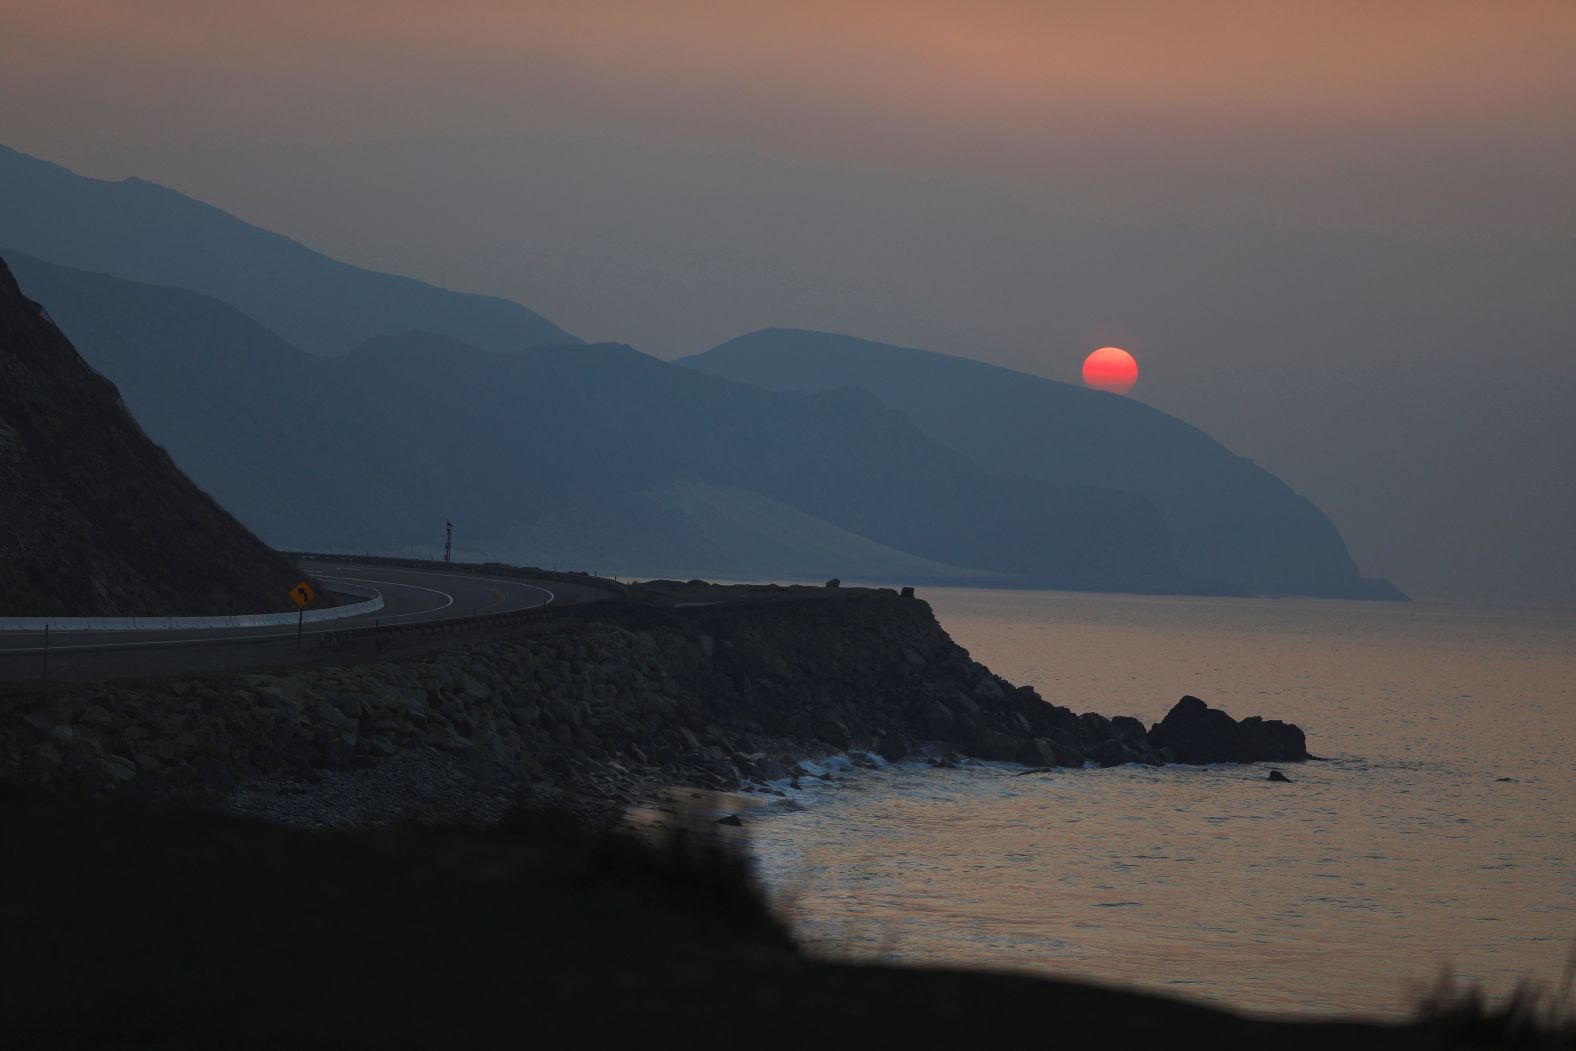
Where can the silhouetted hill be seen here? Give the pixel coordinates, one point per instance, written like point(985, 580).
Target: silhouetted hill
point(95, 520)
point(594, 456)
point(1231, 520)
point(422, 936)
point(145, 232)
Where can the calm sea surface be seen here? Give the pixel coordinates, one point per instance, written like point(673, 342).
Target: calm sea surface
point(1343, 892)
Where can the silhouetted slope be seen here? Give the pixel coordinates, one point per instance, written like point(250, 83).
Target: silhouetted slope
point(94, 518)
point(221, 932)
point(1231, 520)
point(596, 456)
point(145, 232)
point(246, 414)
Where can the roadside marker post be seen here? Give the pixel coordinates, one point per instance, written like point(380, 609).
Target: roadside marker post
point(302, 594)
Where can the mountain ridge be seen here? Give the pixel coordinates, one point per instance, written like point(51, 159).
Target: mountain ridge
point(1233, 521)
point(593, 452)
point(143, 231)
point(1223, 524)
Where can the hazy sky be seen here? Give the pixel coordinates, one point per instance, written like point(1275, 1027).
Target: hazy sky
point(1339, 236)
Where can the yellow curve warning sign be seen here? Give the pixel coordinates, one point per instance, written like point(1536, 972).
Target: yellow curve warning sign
point(303, 594)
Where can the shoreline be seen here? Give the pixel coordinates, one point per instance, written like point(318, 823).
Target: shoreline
point(712, 699)
point(722, 688)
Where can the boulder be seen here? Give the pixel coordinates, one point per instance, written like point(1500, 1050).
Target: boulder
point(1069, 755)
point(936, 718)
point(1112, 753)
point(833, 731)
point(892, 747)
point(1126, 726)
point(1037, 752)
point(118, 768)
point(346, 704)
point(1270, 740)
point(1196, 733)
point(964, 705)
point(989, 690)
point(1094, 727)
point(1276, 775)
point(996, 747)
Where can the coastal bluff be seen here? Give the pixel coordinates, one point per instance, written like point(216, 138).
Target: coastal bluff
point(76, 470)
point(702, 685)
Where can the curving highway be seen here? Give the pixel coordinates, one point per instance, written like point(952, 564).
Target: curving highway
point(409, 596)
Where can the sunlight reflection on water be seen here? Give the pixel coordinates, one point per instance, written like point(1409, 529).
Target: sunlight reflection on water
point(1343, 892)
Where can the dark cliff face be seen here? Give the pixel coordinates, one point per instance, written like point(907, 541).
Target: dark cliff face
point(96, 520)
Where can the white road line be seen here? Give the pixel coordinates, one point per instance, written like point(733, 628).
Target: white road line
point(397, 584)
point(551, 596)
point(258, 636)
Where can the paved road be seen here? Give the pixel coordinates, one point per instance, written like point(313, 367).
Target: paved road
point(409, 596)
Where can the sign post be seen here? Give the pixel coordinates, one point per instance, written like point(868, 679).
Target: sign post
point(302, 594)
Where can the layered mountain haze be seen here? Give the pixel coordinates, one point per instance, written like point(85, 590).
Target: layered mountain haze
point(1232, 521)
point(591, 456)
point(95, 520)
point(332, 407)
point(145, 232)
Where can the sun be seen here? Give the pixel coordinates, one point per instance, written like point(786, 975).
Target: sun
point(1112, 369)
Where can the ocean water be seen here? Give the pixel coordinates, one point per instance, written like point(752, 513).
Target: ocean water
point(1440, 833)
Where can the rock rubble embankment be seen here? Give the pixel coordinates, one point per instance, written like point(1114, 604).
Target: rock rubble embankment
point(730, 696)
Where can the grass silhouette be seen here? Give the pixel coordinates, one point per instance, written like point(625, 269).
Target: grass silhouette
point(126, 925)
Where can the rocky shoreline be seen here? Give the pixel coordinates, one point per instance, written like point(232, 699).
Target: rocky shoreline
point(728, 695)
point(190, 928)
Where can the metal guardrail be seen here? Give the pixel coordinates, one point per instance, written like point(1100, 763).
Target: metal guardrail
point(476, 622)
point(373, 603)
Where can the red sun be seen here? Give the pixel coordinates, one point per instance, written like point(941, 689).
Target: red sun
point(1112, 369)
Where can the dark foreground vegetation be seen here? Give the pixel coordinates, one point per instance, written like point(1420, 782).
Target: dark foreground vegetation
point(130, 926)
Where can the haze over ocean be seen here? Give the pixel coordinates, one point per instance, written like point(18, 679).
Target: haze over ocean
point(1440, 832)
point(1336, 236)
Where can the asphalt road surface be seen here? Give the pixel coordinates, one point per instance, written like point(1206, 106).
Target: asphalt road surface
point(409, 596)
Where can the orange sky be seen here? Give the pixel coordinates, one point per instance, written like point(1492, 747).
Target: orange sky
point(876, 79)
point(1003, 92)
point(1323, 187)
point(1441, 62)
